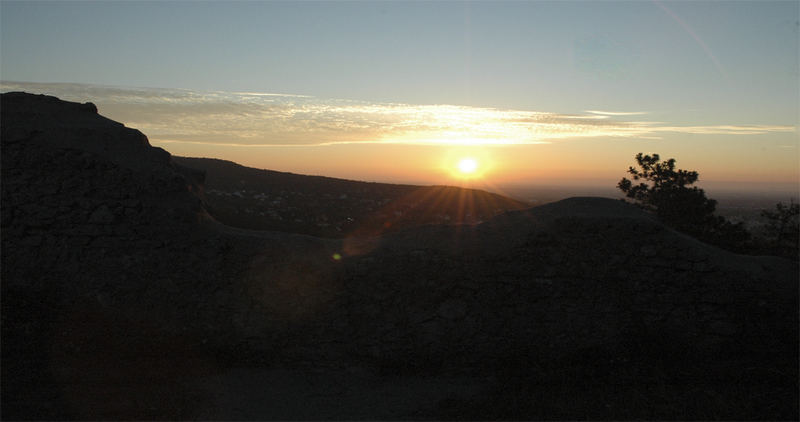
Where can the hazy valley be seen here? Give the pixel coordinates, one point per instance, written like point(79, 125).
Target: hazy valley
point(268, 200)
point(321, 206)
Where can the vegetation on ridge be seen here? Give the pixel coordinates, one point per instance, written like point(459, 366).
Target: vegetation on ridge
point(667, 192)
point(783, 229)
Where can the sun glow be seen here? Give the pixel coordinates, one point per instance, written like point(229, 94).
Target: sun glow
point(467, 165)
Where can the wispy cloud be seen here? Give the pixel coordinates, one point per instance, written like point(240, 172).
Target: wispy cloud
point(269, 119)
point(616, 113)
point(727, 129)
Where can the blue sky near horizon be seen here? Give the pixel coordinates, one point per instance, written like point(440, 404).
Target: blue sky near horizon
point(680, 64)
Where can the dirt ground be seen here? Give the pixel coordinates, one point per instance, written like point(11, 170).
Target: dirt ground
point(314, 394)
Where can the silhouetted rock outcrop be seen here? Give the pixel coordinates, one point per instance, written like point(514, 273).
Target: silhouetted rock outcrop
point(120, 295)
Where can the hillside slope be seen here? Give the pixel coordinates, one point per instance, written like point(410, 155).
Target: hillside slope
point(123, 299)
point(322, 206)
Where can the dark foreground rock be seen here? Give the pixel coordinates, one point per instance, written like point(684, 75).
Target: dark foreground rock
point(123, 299)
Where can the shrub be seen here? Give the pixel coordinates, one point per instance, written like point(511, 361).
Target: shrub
point(667, 192)
point(783, 229)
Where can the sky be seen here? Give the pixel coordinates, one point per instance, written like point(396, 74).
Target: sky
point(534, 92)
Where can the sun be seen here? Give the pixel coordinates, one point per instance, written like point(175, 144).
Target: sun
point(467, 166)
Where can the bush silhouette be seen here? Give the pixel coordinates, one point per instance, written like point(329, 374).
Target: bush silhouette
point(667, 192)
point(783, 229)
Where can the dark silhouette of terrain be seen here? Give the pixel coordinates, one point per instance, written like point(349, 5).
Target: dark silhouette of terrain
point(322, 206)
point(123, 298)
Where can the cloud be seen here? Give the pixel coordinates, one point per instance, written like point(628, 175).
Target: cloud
point(727, 129)
point(616, 113)
point(268, 119)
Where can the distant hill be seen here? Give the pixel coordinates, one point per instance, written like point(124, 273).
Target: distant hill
point(322, 206)
point(123, 299)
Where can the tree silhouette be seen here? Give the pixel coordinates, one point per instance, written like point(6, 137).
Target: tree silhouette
point(783, 227)
point(667, 192)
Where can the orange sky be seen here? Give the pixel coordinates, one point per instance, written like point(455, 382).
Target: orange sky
point(576, 162)
point(422, 144)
